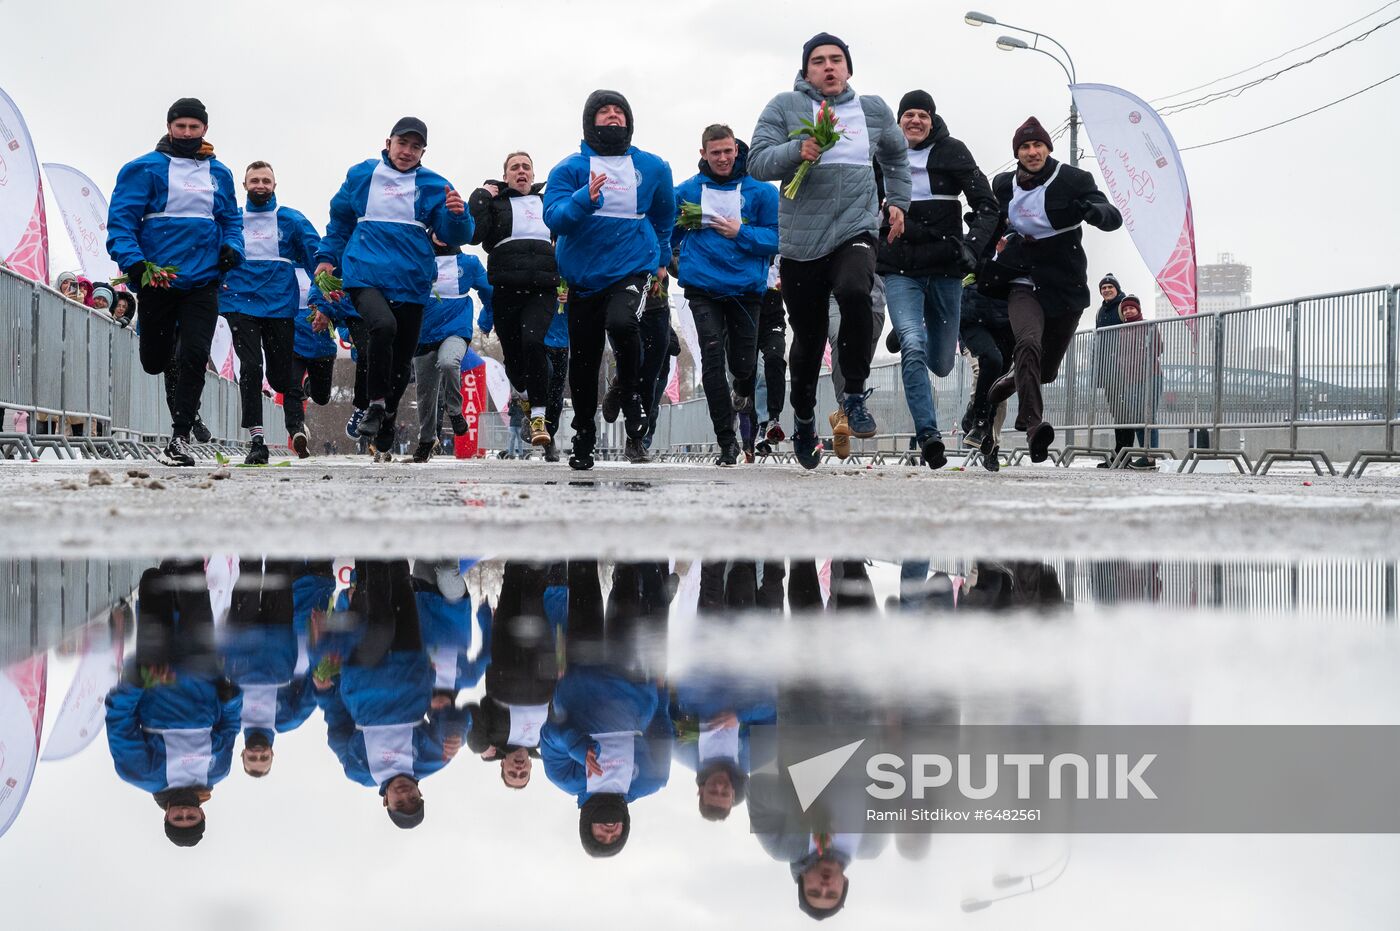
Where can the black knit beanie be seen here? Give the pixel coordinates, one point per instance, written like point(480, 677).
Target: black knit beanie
point(825, 38)
point(187, 107)
point(916, 100)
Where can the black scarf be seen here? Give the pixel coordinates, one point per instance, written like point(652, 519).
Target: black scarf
point(1026, 180)
point(185, 148)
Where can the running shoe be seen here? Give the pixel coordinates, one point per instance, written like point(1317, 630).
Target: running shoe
point(635, 452)
point(773, 431)
point(858, 417)
point(1039, 440)
point(424, 451)
point(178, 452)
point(539, 432)
point(459, 424)
point(200, 431)
point(806, 445)
point(302, 444)
point(728, 454)
point(257, 452)
point(991, 460)
point(932, 451)
point(352, 426)
point(636, 414)
point(551, 452)
point(372, 422)
point(840, 434)
point(612, 402)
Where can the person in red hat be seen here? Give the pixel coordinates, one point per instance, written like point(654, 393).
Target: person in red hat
point(1040, 269)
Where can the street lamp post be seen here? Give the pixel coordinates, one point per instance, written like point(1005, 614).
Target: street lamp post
point(1010, 43)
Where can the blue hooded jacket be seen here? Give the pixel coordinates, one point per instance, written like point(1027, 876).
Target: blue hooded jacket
point(711, 263)
point(186, 230)
point(449, 313)
point(376, 234)
point(306, 342)
point(136, 716)
point(430, 730)
point(596, 700)
point(600, 242)
point(447, 636)
point(266, 655)
point(265, 285)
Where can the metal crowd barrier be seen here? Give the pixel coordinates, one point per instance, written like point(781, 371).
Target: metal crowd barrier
point(1314, 380)
point(78, 377)
point(43, 601)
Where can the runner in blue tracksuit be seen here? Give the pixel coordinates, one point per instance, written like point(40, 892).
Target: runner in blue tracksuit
point(260, 300)
point(714, 712)
point(375, 236)
point(556, 348)
point(375, 689)
point(173, 718)
point(612, 206)
point(445, 616)
point(340, 320)
point(447, 331)
point(723, 267)
point(177, 206)
point(313, 352)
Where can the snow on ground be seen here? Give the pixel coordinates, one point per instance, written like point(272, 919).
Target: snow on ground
point(340, 505)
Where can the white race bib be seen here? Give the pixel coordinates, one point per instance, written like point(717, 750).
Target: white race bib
point(447, 287)
point(389, 751)
point(620, 190)
point(527, 218)
point(525, 724)
point(191, 189)
point(304, 287)
point(616, 756)
point(188, 753)
point(853, 148)
point(717, 202)
point(260, 706)
point(260, 236)
point(718, 743)
point(1027, 215)
point(392, 196)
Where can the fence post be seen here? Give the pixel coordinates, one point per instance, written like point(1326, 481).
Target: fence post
point(1295, 371)
point(1070, 376)
point(1392, 339)
point(1217, 413)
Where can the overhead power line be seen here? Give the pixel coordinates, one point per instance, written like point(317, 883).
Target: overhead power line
point(1269, 61)
point(1293, 119)
point(1216, 96)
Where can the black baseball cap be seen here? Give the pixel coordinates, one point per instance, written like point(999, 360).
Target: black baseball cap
point(410, 124)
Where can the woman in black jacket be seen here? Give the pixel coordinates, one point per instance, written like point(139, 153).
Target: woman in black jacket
point(509, 218)
point(1040, 269)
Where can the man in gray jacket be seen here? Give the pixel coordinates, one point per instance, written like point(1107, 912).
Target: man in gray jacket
point(827, 233)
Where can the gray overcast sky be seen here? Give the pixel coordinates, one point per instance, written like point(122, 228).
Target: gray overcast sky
point(313, 87)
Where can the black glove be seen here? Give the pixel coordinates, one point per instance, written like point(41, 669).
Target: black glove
point(1096, 214)
point(229, 258)
point(134, 274)
point(967, 258)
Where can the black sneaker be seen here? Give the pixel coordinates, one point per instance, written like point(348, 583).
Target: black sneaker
point(806, 445)
point(763, 449)
point(200, 432)
point(991, 461)
point(969, 417)
point(859, 421)
point(372, 422)
point(635, 452)
point(933, 452)
point(459, 424)
point(636, 414)
point(1142, 464)
point(582, 456)
point(1039, 440)
point(383, 444)
point(728, 454)
point(424, 451)
point(257, 452)
point(302, 444)
point(551, 452)
point(352, 426)
point(178, 453)
point(612, 402)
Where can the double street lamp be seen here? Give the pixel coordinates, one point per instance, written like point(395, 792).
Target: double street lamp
point(1011, 44)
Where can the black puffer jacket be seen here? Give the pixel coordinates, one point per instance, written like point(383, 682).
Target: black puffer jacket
point(1056, 265)
point(933, 229)
point(524, 264)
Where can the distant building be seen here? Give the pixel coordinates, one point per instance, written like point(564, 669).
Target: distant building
point(1226, 285)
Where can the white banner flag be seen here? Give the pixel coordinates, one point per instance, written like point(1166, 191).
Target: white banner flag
point(84, 711)
point(24, 234)
point(685, 326)
point(1144, 178)
point(498, 384)
point(22, 688)
point(84, 210)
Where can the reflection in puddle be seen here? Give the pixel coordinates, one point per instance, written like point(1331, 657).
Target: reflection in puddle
point(527, 702)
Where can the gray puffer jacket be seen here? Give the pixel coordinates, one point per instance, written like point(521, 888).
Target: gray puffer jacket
point(835, 202)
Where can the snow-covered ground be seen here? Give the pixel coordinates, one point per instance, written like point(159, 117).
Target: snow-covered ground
point(339, 505)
